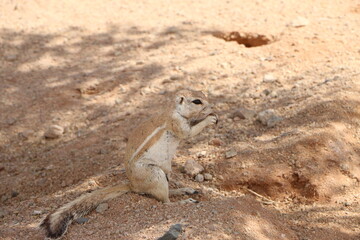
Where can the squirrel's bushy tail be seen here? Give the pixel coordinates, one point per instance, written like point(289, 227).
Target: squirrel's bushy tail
point(56, 223)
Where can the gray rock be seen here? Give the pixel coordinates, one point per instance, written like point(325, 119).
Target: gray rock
point(345, 167)
point(193, 168)
point(199, 178)
point(208, 177)
point(54, 131)
point(269, 78)
point(268, 118)
point(273, 121)
point(231, 153)
point(14, 194)
point(102, 207)
point(172, 30)
point(173, 232)
point(266, 92)
point(82, 220)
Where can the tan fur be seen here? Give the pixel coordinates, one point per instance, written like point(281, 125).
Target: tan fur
point(148, 156)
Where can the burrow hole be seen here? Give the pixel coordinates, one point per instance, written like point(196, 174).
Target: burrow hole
point(247, 39)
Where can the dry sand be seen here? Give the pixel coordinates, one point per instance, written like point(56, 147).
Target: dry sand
point(97, 68)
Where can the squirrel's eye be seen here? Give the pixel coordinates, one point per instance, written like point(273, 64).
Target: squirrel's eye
point(197, 101)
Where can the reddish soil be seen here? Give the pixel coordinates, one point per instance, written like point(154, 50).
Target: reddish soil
point(98, 68)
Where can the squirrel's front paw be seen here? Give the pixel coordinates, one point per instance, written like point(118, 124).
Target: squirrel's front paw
point(212, 119)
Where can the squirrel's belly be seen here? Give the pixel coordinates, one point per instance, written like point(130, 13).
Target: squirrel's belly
point(163, 151)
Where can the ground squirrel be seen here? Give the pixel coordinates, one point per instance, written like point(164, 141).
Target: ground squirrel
point(148, 156)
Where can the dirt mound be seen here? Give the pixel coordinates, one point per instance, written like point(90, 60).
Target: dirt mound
point(316, 163)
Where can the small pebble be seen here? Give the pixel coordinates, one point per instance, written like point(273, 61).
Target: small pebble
point(37, 212)
point(172, 30)
point(268, 118)
point(266, 92)
point(199, 178)
point(173, 232)
point(201, 154)
point(345, 167)
point(208, 177)
point(269, 78)
point(102, 207)
point(54, 131)
point(14, 194)
point(300, 22)
point(193, 168)
point(81, 220)
point(274, 94)
point(231, 153)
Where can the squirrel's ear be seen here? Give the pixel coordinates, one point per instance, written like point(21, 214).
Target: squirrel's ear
point(180, 99)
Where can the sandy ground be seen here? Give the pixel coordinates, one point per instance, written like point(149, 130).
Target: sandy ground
point(98, 68)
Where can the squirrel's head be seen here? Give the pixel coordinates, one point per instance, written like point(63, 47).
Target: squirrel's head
point(192, 105)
